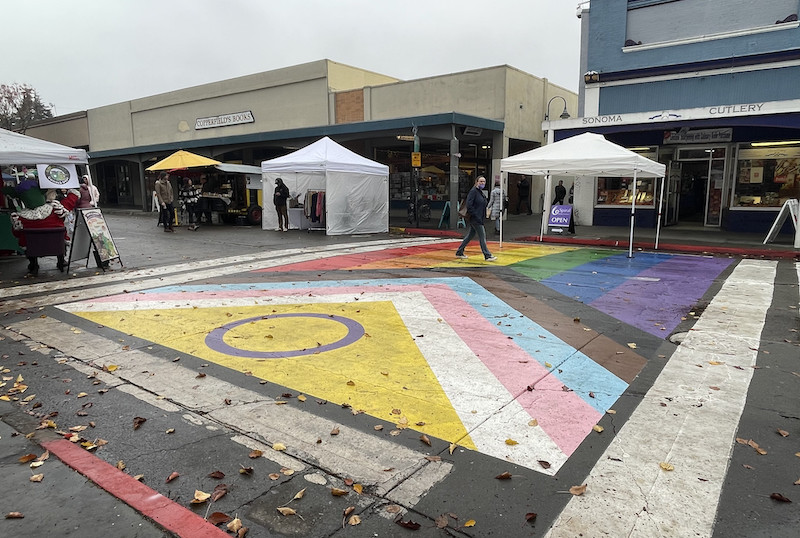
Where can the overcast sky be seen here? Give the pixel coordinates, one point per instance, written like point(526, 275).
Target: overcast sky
point(82, 54)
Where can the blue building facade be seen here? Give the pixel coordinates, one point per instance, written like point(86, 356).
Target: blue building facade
point(710, 88)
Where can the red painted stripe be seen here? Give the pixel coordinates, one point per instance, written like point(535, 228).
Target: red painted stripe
point(345, 261)
point(148, 502)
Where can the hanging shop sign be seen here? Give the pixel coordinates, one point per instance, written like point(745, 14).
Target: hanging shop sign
point(698, 136)
point(57, 176)
point(224, 120)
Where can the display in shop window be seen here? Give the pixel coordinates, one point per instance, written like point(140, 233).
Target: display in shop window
point(767, 177)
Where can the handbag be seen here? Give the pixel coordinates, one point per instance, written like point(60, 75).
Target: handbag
point(462, 209)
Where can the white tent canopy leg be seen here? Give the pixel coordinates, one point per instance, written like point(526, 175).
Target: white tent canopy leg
point(633, 214)
point(660, 207)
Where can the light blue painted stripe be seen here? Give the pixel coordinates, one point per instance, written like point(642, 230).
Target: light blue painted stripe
point(571, 367)
point(592, 280)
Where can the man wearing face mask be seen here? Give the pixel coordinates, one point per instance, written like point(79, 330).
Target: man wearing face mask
point(476, 210)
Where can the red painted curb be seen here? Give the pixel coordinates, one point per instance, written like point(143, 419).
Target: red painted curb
point(151, 504)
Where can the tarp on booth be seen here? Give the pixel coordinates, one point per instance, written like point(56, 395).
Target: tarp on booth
point(586, 154)
point(356, 188)
point(20, 149)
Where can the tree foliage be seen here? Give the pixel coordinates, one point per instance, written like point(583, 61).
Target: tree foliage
point(20, 105)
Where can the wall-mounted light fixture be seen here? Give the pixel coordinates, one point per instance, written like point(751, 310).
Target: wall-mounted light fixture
point(772, 144)
point(591, 76)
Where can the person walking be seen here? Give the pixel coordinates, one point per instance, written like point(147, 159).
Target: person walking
point(279, 197)
point(524, 194)
point(561, 192)
point(476, 210)
point(165, 197)
point(494, 210)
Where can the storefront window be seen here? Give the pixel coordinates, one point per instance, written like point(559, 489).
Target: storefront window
point(619, 191)
point(767, 177)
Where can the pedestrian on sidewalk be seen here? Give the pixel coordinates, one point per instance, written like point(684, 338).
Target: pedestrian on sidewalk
point(476, 210)
point(524, 194)
point(279, 197)
point(165, 197)
point(494, 210)
point(189, 196)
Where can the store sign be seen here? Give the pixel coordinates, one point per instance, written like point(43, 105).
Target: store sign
point(57, 176)
point(698, 136)
point(559, 216)
point(224, 120)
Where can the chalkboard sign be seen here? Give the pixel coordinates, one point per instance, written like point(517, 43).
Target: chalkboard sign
point(92, 233)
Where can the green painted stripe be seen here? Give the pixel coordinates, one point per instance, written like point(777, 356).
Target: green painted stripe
point(546, 266)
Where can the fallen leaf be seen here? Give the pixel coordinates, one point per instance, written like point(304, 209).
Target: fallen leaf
point(354, 520)
point(220, 490)
point(504, 476)
point(200, 497)
point(286, 511)
point(82, 395)
point(442, 521)
point(783, 433)
point(301, 398)
point(412, 525)
point(235, 525)
point(299, 495)
point(120, 465)
point(358, 488)
point(666, 466)
point(544, 464)
point(424, 439)
point(335, 431)
point(172, 476)
point(171, 430)
point(598, 428)
point(351, 384)
point(433, 458)
point(138, 421)
point(377, 427)
point(216, 474)
point(779, 497)
point(36, 464)
point(200, 375)
point(530, 517)
point(469, 523)
point(218, 518)
point(511, 442)
point(14, 515)
point(278, 446)
point(632, 345)
point(337, 492)
point(274, 476)
point(578, 490)
point(451, 448)
point(26, 458)
point(36, 478)
point(533, 422)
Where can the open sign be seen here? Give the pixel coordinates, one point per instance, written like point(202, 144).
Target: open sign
point(559, 216)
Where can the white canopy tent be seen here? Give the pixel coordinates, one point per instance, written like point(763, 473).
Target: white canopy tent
point(356, 188)
point(20, 149)
point(587, 154)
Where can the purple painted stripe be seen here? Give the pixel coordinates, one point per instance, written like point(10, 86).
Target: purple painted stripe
point(656, 306)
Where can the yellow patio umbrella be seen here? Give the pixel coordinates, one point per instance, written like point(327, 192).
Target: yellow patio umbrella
point(183, 159)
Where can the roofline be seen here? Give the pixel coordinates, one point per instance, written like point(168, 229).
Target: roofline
point(447, 118)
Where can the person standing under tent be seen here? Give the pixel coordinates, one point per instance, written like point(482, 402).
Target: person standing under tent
point(524, 194)
point(561, 192)
point(279, 197)
point(476, 210)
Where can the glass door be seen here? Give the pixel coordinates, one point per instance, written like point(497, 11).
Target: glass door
point(701, 185)
point(716, 179)
point(672, 193)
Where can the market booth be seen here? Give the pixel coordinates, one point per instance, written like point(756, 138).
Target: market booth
point(19, 150)
point(587, 154)
point(331, 188)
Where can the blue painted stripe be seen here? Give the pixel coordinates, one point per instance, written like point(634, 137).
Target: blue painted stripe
point(592, 280)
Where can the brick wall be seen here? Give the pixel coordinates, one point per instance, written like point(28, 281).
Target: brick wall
point(349, 106)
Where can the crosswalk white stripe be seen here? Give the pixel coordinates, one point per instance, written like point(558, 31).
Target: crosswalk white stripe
point(628, 493)
point(123, 282)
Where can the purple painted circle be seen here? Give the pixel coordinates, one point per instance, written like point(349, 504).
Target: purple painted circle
point(215, 339)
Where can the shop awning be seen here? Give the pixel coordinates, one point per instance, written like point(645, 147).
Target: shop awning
point(183, 159)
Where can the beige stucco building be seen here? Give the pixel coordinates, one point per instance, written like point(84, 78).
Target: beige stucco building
point(465, 123)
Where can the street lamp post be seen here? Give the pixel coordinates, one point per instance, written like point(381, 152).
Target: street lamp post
point(548, 180)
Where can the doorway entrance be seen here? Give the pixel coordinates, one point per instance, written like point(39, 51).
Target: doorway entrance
point(695, 184)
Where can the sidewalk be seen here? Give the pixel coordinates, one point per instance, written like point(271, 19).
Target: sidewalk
point(688, 239)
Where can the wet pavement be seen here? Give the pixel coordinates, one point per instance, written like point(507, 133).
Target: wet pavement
point(460, 395)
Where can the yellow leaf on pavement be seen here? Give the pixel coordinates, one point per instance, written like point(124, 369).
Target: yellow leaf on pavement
point(278, 446)
point(578, 490)
point(666, 466)
point(470, 523)
point(511, 442)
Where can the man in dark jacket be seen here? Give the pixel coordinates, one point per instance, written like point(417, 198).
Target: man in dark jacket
point(476, 211)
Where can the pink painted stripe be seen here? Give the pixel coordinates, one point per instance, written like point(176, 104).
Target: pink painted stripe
point(148, 502)
point(351, 260)
point(563, 415)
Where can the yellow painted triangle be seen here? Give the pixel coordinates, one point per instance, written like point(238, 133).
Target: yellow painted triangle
point(383, 374)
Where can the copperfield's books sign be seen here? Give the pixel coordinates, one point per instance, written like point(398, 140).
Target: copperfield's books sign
point(224, 120)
